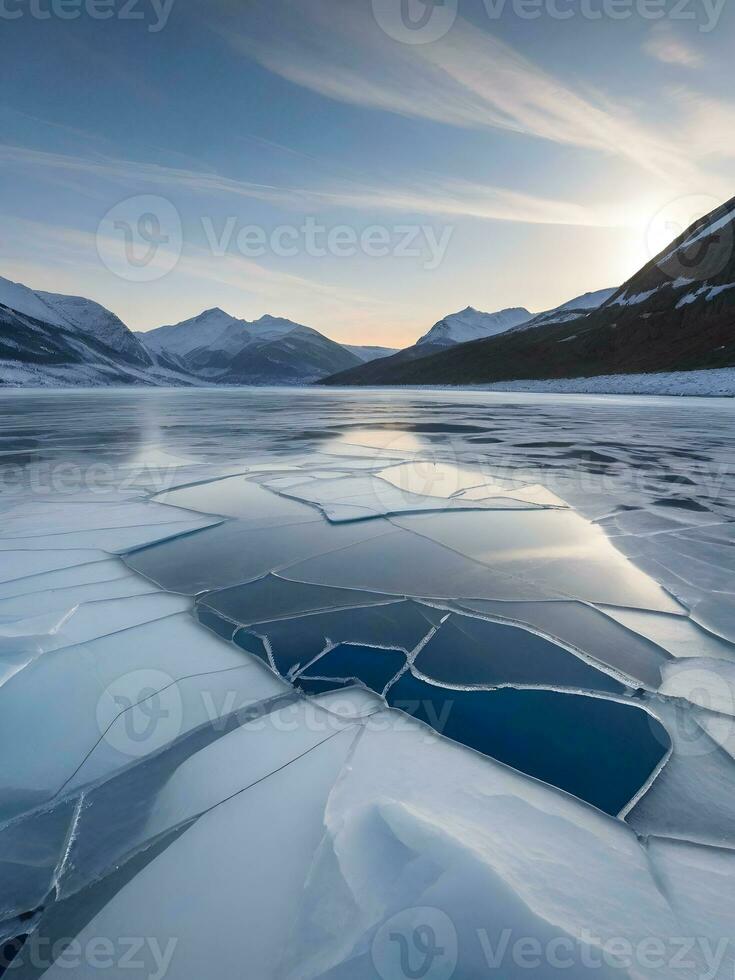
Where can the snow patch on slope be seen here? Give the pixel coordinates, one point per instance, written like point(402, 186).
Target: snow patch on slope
point(573, 309)
point(94, 320)
point(712, 383)
point(588, 301)
point(472, 324)
point(204, 330)
point(23, 300)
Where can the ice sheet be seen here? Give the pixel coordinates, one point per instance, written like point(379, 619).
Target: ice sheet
point(585, 630)
point(313, 863)
point(231, 554)
point(467, 652)
point(256, 850)
point(415, 825)
point(554, 550)
point(272, 597)
point(59, 706)
point(363, 497)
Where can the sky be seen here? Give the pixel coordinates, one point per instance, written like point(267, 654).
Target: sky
point(364, 167)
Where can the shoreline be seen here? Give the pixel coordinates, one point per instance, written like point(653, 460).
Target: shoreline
point(705, 383)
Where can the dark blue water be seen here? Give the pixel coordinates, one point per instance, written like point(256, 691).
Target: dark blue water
point(601, 751)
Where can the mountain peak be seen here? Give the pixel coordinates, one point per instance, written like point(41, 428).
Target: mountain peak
point(268, 320)
point(214, 313)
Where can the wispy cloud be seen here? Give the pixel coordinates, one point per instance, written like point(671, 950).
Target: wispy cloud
point(459, 198)
point(665, 46)
point(709, 125)
point(435, 196)
point(31, 251)
point(128, 171)
point(468, 79)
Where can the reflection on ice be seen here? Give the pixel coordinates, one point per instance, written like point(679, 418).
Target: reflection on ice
point(468, 652)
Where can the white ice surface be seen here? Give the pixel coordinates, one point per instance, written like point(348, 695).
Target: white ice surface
point(417, 823)
point(59, 706)
point(228, 889)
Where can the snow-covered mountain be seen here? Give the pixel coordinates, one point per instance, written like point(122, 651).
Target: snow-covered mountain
point(472, 324)
point(76, 313)
point(220, 348)
point(676, 314)
point(367, 354)
point(204, 330)
point(51, 339)
point(573, 309)
point(450, 331)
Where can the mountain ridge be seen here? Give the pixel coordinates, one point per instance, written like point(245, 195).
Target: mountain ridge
point(471, 324)
point(225, 349)
point(677, 313)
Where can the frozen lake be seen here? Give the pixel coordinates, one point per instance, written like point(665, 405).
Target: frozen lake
point(287, 628)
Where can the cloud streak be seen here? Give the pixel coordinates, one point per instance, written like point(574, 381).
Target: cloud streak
point(442, 197)
point(468, 79)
